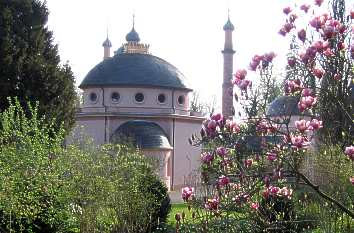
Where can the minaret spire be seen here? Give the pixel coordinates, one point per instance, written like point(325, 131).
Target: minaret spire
point(107, 47)
point(133, 20)
point(228, 53)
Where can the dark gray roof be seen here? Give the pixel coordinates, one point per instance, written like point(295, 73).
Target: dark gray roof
point(284, 106)
point(143, 134)
point(132, 36)
point(135, 69)
point(228, 25)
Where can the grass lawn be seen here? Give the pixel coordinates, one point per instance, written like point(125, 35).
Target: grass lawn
point(176, 208)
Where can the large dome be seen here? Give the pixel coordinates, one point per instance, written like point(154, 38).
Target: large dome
point(135, 69)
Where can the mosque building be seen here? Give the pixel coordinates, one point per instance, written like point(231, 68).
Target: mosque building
point(137, 96)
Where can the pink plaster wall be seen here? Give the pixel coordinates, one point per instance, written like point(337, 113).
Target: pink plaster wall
point(186, 157)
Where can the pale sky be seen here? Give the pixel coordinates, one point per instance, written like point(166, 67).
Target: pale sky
point(186, 33)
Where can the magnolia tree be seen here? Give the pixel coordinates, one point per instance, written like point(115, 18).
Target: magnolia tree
point(249, 166)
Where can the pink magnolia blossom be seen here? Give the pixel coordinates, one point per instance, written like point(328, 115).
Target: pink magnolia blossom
point(307, 92)
point(263, 126)
point(240, 74)
point(291, 62)
point(342, 29)
point(207, 157)
point(274, 190)
point(212, 125)
point(301, 106)
point(292, 18)
point(315, 124)
point(305, 7)
point(301, 125)
point(318, 45)
point(266, 193)
point(212, 204)
point(302, 35)
point(337, 77)
point(285, 192)
point(351, 179)
point(187, 192)
point(326, 45)
point(341, 46)
point(256, 59)
point(293, 86)
point(304, 57)
point(282, 31)
point(223, 181)
point(352, 14)
point(318, 2)
point(277, 192)
point(299, 141)
point(287, 10)
point(221, 151)
point(217, 117)
point(232, 126)
point(255, 205)
point(318, 72)
point(248, 162)
point(318, 22)
point(306, 102)
point(287, 27)
point(349, 150)
point(272, 155)
point(243, 84)
point(266, 181)
point(268, 57)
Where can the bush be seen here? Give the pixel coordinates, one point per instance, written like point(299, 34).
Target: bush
point(114, 189)
point(162, 205)
point(48, 188)
point(30, 199)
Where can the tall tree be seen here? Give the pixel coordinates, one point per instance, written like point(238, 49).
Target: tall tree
point(30, 64)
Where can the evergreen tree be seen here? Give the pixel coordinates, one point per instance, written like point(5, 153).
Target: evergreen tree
point(30, 66)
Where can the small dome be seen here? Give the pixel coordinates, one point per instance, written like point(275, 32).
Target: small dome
point(228, 25)
point(143, 134)
point(107, 43)
point(132, 36)
point(284, 106)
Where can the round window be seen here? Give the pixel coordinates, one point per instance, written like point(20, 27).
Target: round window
point(93, 97)
point(139, 97)
point(181, 100)
point(161, 98)
point(115, 97)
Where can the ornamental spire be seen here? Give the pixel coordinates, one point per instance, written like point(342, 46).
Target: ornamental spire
point(107, 47)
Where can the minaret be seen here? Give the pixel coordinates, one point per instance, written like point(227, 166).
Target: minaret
point(227, 87)
point(107, 48)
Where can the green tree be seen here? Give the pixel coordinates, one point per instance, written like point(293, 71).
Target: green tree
point(30, 64)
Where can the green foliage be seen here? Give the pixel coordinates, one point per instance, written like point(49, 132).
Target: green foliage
point(29, 175)
point(30, 64)
point(113, 189)
point(48, 188)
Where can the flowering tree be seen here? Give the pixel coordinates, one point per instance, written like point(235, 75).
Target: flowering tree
point(248, 166)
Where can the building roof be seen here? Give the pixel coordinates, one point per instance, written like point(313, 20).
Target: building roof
point(143, 134)
point(135, 69)
point(284, 106)
point(228, 25)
